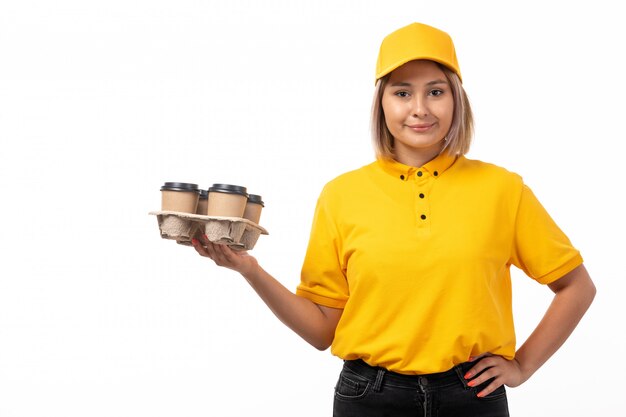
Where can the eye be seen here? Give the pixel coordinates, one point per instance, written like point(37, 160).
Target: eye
point(402, 94)
point(436, 92)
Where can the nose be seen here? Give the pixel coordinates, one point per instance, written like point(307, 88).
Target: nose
point(419, 107)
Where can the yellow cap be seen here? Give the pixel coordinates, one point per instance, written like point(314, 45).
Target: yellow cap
point(416, 41)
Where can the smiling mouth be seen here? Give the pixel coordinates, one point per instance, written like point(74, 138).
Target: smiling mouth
point(421, 127)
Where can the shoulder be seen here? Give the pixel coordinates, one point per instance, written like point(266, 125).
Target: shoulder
point(349, 180)
point(488, 173)
point(342, 191)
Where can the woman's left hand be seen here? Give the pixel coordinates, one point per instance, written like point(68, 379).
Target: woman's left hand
point(503, 371)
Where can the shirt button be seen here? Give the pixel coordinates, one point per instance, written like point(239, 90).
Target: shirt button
point(401, 177)
point(419, 173)
point(435, 173)
point(423, 217)
point(421, 195)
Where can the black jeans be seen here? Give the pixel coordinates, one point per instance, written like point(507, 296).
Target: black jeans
point(365, 391)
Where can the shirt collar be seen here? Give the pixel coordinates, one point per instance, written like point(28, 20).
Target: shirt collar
point(434, 167)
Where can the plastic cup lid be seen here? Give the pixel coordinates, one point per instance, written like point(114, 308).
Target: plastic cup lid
point(228, 188)
point(256, 199)
point(179, 186)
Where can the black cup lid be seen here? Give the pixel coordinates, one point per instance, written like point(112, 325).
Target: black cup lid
point(228, 188)
point(204, 194)
point(179, 186)
point(256, 199)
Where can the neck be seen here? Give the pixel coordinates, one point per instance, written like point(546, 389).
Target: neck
point(416, 157)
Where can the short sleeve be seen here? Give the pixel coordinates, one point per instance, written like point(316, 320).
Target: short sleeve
point(323, 278)
point(540, 248)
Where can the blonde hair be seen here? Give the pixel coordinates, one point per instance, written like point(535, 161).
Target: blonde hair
point(458, 138)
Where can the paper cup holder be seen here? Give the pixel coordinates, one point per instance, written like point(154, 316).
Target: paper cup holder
point(236, 232)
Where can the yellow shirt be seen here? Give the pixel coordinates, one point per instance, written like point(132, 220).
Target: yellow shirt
point(419, 260)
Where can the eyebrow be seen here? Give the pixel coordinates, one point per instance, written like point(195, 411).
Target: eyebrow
point(405, 84)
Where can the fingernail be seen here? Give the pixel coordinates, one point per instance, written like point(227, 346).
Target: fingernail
point(471, 383)
point(480, 395)
point(194, 241)
point(468, 375)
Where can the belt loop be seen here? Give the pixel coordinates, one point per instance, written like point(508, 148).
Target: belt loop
point(379, 379)
point(459, 373)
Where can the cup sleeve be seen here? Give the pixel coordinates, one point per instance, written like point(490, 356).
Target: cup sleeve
point(540, 248)
point(323, 277)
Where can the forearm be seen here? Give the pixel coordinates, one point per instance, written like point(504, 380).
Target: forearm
point(315, 324)
point(572, 299)
point(301, 315)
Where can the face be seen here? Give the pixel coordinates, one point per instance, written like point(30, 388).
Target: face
point(418, 106)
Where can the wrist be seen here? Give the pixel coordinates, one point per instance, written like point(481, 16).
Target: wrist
point(526, 371)
point(251, 273)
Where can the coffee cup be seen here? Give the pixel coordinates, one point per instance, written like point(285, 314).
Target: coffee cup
point(203, 203)
point(179, 196)
point(226, 200)
point(254, 206)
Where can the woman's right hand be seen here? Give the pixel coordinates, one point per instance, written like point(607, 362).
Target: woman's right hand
point(223, 255)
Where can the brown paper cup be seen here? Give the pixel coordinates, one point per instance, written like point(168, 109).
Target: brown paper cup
point(203, 203)
point(179, 196)
point(227, 200)
point(254, 206)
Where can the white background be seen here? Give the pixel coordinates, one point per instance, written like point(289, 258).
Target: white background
point(103, 101)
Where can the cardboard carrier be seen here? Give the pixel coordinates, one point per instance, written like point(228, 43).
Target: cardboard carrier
point(236, 232)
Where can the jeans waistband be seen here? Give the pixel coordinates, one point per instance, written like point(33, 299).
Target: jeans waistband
point(410, 381)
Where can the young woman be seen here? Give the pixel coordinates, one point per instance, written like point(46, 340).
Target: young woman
point(406, 274)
